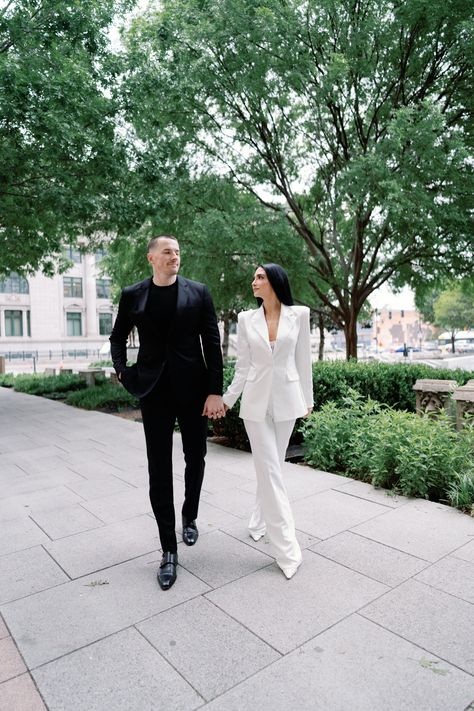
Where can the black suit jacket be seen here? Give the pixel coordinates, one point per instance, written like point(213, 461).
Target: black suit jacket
point(193, 361)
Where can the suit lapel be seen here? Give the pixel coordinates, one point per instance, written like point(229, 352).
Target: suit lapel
point(142, 296)
point(259, 324)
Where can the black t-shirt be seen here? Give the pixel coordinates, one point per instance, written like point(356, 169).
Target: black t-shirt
point(161, 309)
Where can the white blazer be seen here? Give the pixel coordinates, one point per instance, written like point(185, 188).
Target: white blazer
point(284, 374)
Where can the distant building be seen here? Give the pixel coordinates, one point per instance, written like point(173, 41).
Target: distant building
point(66, 313)
point(392, 328)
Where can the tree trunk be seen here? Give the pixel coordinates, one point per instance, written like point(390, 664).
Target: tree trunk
point(350, 333)
point(453, 342)
point(225, 340)
point(321, 336)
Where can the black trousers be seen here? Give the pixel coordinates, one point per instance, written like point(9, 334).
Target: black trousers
point(160, 410)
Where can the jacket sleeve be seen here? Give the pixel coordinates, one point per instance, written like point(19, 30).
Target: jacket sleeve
point(242, 365)
point(118, 338)
point(303, 358)
point(211, 345)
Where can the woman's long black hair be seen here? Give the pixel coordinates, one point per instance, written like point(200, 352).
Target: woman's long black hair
point(278, 278)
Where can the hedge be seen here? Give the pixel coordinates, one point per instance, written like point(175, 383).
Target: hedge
point(391, 384)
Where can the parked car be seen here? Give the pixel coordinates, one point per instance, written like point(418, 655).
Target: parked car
point(413, 349)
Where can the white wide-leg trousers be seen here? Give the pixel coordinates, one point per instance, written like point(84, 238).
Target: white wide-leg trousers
point(272, 513)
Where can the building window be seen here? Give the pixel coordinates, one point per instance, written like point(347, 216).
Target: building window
point(100, 254)
point(73, 254)
point(102, 287)
point(74, 323)
point(105, 324)
point(390, 315)
point(13, 323)
point(72, 286)
point(28, 323)
point(14, 284)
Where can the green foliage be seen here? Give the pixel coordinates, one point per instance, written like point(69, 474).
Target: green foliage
point(352, 121)
point(416, 456)
point(7, 380)
point(454, 310)
point(391, 384)
point(109, 396)
point(101, 364)
point(48, 384)
point(61, 158)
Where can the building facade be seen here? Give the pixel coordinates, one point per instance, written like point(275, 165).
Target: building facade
point(63, 314)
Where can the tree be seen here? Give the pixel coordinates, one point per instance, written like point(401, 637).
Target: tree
point(224, 233)
point(61, 160)
point(349, 118)
point(454, 311)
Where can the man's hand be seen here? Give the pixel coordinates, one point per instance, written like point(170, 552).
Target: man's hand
point(214, 407)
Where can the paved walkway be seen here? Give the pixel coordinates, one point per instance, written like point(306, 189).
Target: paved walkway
point(379, 617)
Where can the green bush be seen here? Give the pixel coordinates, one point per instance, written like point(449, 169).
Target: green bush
point(47, 384)
point(7, 380)
point(416, 456)
point(101, 364)
point(108, 396)
point(391, 384)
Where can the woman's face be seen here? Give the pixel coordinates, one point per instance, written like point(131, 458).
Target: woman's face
point(261, 287)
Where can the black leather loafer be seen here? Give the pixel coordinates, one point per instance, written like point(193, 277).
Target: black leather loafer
point(190, 532)
point(167, 571)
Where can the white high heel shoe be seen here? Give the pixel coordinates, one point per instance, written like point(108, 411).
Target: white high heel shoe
point(256, 536)
point(289, 570)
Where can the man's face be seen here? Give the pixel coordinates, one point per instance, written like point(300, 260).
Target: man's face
point(165, 257)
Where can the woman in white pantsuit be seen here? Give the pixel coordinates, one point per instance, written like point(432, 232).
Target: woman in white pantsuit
point(274, 376)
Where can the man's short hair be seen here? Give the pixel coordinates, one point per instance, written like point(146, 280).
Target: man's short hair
point(154, 240)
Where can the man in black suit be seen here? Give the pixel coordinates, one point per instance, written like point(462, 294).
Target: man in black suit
point(178, 375)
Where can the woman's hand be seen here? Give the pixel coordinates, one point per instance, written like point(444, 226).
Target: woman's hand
point(310, 410)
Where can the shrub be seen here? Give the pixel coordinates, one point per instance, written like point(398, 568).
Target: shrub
point(47, 384)
point(108, 396)
point(391, 384)
point(417, 456)
point(7, 380)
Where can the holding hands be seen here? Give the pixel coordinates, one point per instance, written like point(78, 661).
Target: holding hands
point(214, 407)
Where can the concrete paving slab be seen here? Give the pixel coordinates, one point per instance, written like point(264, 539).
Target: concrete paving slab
point(104, 547)
point(235, 501)
point(301, 481)
point(90, 489)
point(421, 528)
point(438, 622)
point(20, 694)
point(21, 533)
point(286, 613)
point(66, 521)
point(3, 629)
point(120, 506)
point(465, 552)
point(210, 518)
point(387, 565)
point(96, 469)
point(218, 559)
point(122, 672)
point(330, 512)
point(33, 502)
point(231, 651)
point(11, 663)
point(354, 665)
point(25, 572)
point(15, 491)
point(240, 531)
point(368, 492)
point(217, 480)
point(55, 622)
point(453, 575)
